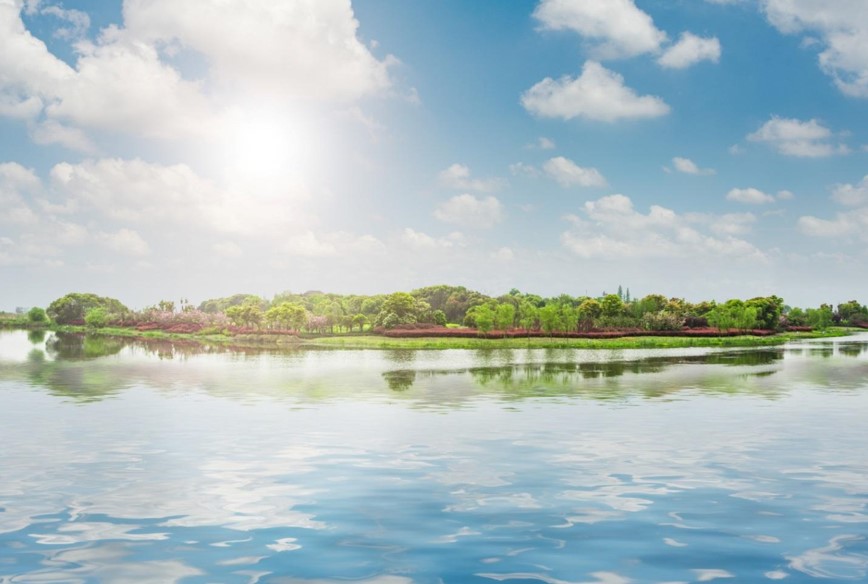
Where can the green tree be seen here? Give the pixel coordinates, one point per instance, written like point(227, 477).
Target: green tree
point(550, 318)
point(504, 318)
point(484, 317)
point(402, 304)
point(768, 311)
point(248, 314)
point(612, 305)
point(37, 315)
point(360, 320)
point(589, 311)
point(96, 317)
point(852, 313)
point(439, 317)
point(528, 315)
point(820, 318)
point(72, 308)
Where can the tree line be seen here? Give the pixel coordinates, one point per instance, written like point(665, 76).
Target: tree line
point(444, 305)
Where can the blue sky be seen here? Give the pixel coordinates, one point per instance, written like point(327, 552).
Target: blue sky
point(153, 149)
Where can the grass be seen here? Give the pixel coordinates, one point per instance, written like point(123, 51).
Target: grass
point(368, 341)
point(378, 342)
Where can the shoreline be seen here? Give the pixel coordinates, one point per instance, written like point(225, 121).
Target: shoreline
point(375, 341)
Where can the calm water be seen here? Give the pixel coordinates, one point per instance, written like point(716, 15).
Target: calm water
point(158, 463)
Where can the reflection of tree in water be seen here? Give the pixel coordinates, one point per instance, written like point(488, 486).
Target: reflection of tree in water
point(852, 349)
point(400, 355)
point(401, 380)
point(76, 346)
point(36, 336)
point(573, 378)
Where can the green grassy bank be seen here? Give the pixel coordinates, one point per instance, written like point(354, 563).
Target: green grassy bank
point(270, 341)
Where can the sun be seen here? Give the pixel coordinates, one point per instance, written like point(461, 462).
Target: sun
point(266, 150)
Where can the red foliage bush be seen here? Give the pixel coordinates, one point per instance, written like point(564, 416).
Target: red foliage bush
point(466, 333)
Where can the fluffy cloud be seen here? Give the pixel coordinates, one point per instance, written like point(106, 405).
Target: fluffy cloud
point(687, 166)
point(567, 173)
point(307, 243)
point(852, 195)
point(136, 209)
point(689, 50)
point(618, 26)
point(843, 30)
point(750, 196)
point(52, 132)
point(797, 138)
point(843, 225)
point(418, 240)
point(597, 94)
point(458, 177)
point(306, 49)
point(469, 211)
point(126, 81)
point(846, 224)
point(15, 181)
point(611, 228)
point(733, 223)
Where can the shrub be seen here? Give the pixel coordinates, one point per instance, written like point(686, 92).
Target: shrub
point(96, 317)
point(37, 315)
point(662, 321)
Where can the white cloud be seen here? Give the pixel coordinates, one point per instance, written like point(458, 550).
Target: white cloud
point(733, 223)
point(522, 169)
point(126, 242)
point(567, 173)
point(418, 240)
point(750, 196)
point(52, 132)
point(689, 50)
point(687, 166)
point(457, 176)
point(852, 195)
point(304, 49)
point(126, 82)
point(78, 21)
point(142, 193)
point(793, 137)
point(842, 27)
point(469, 211)
point(597, 94)
point(611, 228)
point(619, 28)
point(843, 225)
point(545, 143)
point(15, 180)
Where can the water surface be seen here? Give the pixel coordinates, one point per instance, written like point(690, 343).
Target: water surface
point(161, 462)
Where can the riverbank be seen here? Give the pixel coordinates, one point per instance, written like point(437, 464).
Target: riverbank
point(374, 341)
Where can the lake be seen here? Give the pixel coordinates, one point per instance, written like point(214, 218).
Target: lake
point(125, 461)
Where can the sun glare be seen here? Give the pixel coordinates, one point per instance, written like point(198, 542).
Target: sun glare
point(266, 151)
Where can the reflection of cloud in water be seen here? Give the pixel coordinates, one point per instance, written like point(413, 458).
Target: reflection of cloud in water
point(453, 537)
point(384, 579)
point(709, 574)
point(845, 556)
point(470, 472)
point(109, 563)
point(81, 532)
point(600, 578)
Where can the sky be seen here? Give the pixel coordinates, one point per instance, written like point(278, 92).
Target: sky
point(705, 149)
